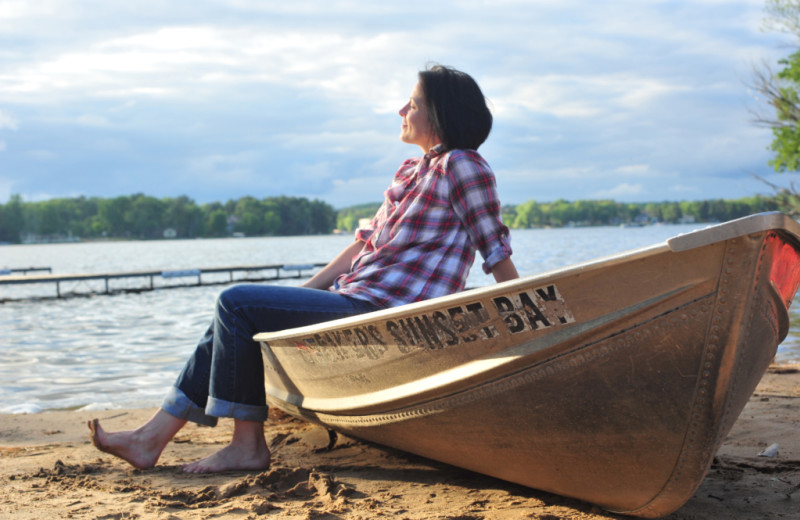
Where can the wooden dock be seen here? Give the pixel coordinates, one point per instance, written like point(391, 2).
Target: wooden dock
point(153, 280)
point(24, 270)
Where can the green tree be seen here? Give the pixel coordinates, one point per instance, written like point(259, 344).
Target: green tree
point(250, 215)
point(606, 211)
point(785, 99)
point(561, 213)
point(146, 218)
point(272, 222)
point(528, 215)
point(114, 215)
point(323, 217)
point(780, 91)
point(12, 220)
point(295, 216)
point(217, 224)
point(671, 212)
point(508, 214)
point(347, 218)
point(49, 219)
point(653, 211)
point(183, 215)
point(272, 217)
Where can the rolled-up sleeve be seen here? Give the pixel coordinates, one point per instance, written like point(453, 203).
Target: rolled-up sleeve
point(364, 233)
point(475, 201)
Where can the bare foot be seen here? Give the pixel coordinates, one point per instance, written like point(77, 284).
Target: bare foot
point(247, 451)
point(142, 447)
point(122, 445)
point(231, 458)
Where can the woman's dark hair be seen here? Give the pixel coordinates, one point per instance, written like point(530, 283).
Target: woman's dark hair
point(457, 109)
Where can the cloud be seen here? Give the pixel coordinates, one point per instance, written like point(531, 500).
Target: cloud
point(633, 170)
point(92, 120)
point(6, 121)
point(22, 9)
point(579, 96)
point(364, 189)
point(683, 190)
point(567, 173)
point(339, 143)
point(242, 97)
point(195, 60)
point(234, 168)
point(621, 191)
point(41, 155)
point(6, 188)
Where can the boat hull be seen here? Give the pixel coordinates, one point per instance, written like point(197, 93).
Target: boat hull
point(613, 381)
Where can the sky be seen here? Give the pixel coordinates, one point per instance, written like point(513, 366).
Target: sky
point(630, 100)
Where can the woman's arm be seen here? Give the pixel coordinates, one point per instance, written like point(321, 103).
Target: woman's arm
point(504, 270)
point(473, 197)
point(324, 278)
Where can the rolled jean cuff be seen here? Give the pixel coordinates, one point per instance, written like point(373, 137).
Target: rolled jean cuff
point(238, 411)
point(177, 404)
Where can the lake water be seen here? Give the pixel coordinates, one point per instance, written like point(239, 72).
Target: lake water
point(125, 350)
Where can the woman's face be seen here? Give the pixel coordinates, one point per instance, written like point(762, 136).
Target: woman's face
point(416, 128)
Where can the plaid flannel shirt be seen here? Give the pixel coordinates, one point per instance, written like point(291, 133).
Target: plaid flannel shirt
point(421, 243)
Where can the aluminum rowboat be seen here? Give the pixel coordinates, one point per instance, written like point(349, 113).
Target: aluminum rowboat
point(612, 381)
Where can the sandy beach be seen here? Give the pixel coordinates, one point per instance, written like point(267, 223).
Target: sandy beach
point(49, 469)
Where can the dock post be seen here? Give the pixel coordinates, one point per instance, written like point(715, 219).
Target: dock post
point(106, 284)
point(58, 289)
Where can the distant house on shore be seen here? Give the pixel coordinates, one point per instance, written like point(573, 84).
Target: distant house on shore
point(170, 233)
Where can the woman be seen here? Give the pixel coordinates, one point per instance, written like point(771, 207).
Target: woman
point(421, 244)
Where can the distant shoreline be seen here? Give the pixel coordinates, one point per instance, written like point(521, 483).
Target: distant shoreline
point(141, 216)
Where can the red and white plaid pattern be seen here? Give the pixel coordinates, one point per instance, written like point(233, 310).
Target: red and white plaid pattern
point(421, 243)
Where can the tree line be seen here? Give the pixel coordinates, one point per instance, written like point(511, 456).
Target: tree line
point(144, 217)
point(141, 216)
point(560, 213)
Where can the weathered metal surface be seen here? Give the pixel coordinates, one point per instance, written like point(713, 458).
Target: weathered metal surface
point(613, 381)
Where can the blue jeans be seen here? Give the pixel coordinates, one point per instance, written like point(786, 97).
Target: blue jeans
point(225, 375)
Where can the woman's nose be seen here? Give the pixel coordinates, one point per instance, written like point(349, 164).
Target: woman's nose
point(403, 111)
